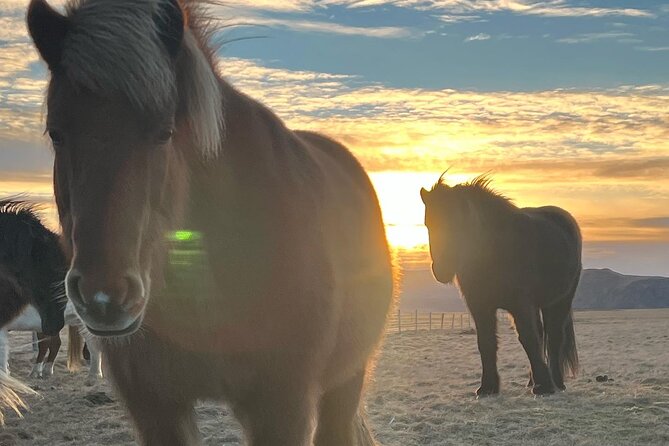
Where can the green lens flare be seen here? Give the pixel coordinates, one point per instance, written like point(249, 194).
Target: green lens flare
point(184, 235)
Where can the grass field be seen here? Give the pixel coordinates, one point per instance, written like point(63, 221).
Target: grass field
point(422, 394)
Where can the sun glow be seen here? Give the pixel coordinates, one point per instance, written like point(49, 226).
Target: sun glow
point(403, 210)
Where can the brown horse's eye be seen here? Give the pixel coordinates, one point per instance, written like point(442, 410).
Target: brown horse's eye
point(56, 138)
point(165, 136)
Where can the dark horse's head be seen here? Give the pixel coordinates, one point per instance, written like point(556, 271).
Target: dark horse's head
point(131, 98)
point(32, 266)
point(453, 221)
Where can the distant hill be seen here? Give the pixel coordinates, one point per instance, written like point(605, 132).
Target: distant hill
point(607, 289)
point(598, 289)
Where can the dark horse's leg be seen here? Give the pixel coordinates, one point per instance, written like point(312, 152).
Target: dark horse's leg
point(486, 334)
point(338, 422)
point(54, 347)
point(528, 324)
point(556, 318)
point(42, 349)
point(530, 382)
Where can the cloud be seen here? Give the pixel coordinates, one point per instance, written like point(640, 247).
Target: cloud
point(546, 8)
point(481, 36)
point(451, 18)
point(594, 37)
point(386, 32)
point(652, 222)
point(653, 48)
point(450, 10)
point(597, 139)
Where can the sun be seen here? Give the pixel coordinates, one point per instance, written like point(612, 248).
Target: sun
point(403, 211)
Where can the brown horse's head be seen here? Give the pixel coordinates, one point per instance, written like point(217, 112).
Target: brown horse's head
point(125, 78)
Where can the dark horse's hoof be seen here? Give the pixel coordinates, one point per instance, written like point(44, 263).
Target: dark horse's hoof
point(543, 389)
point(486, 391)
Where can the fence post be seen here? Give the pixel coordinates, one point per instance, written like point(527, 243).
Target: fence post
point(442, 321)
point(416, 321)
point(399, 321)
point(452, 321)
point(430, 329)
point(462, 316)
point(469, 320)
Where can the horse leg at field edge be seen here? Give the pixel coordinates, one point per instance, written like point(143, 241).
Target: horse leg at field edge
point(528, 324)
point(486, 334)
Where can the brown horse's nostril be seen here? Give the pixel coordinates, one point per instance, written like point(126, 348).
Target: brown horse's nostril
point(106, 306)
point(134, 291)
point(72, 287)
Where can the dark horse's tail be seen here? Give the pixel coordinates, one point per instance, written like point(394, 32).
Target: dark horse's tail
point(570, 354)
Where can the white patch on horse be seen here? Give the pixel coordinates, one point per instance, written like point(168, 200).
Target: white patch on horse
point(4, 351)
point(37, 370)
point(71, 317)
point(101, 298)
point(28, 320)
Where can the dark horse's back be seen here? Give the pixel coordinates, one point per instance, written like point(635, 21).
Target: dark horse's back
point(554, 262)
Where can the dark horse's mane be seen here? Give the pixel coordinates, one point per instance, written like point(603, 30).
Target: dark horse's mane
point(19, 208)
point(17, 217)
point(478, 192)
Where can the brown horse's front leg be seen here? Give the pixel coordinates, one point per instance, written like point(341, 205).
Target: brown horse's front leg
point(486, 334)
point(278, 414)
point(158, 400)
point(160, 420)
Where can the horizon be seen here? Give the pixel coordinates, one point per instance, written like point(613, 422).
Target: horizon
point(563, 102)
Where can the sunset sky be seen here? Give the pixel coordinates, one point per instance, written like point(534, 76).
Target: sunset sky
point(565, 102)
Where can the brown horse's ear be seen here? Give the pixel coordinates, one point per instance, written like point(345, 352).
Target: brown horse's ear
point(171, 22)
point(48, 29)
point(423, 195)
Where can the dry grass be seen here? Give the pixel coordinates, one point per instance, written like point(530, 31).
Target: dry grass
point(423, 394)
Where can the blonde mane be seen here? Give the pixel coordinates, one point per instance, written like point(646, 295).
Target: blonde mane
point(114, 48)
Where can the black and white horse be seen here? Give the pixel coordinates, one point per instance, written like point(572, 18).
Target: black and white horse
point(32, 295)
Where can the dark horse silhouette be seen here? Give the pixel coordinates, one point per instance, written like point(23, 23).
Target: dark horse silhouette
point(215, 253)
point(32, 269)
point(524, 260)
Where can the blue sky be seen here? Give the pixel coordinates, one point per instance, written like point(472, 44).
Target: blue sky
point(448, 44)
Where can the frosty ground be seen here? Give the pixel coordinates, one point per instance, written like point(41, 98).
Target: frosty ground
point(422, 394)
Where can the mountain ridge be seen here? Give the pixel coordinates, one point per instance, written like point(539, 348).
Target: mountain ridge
point(599, 289)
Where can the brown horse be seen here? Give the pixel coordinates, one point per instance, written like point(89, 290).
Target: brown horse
point(282, 299)
point(524, 260)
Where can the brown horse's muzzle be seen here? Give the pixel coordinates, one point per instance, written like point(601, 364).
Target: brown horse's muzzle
point(107, 307)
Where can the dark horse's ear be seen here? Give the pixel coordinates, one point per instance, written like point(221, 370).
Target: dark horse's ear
point(424, 194)
point(48, 29)
point(170, 21)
